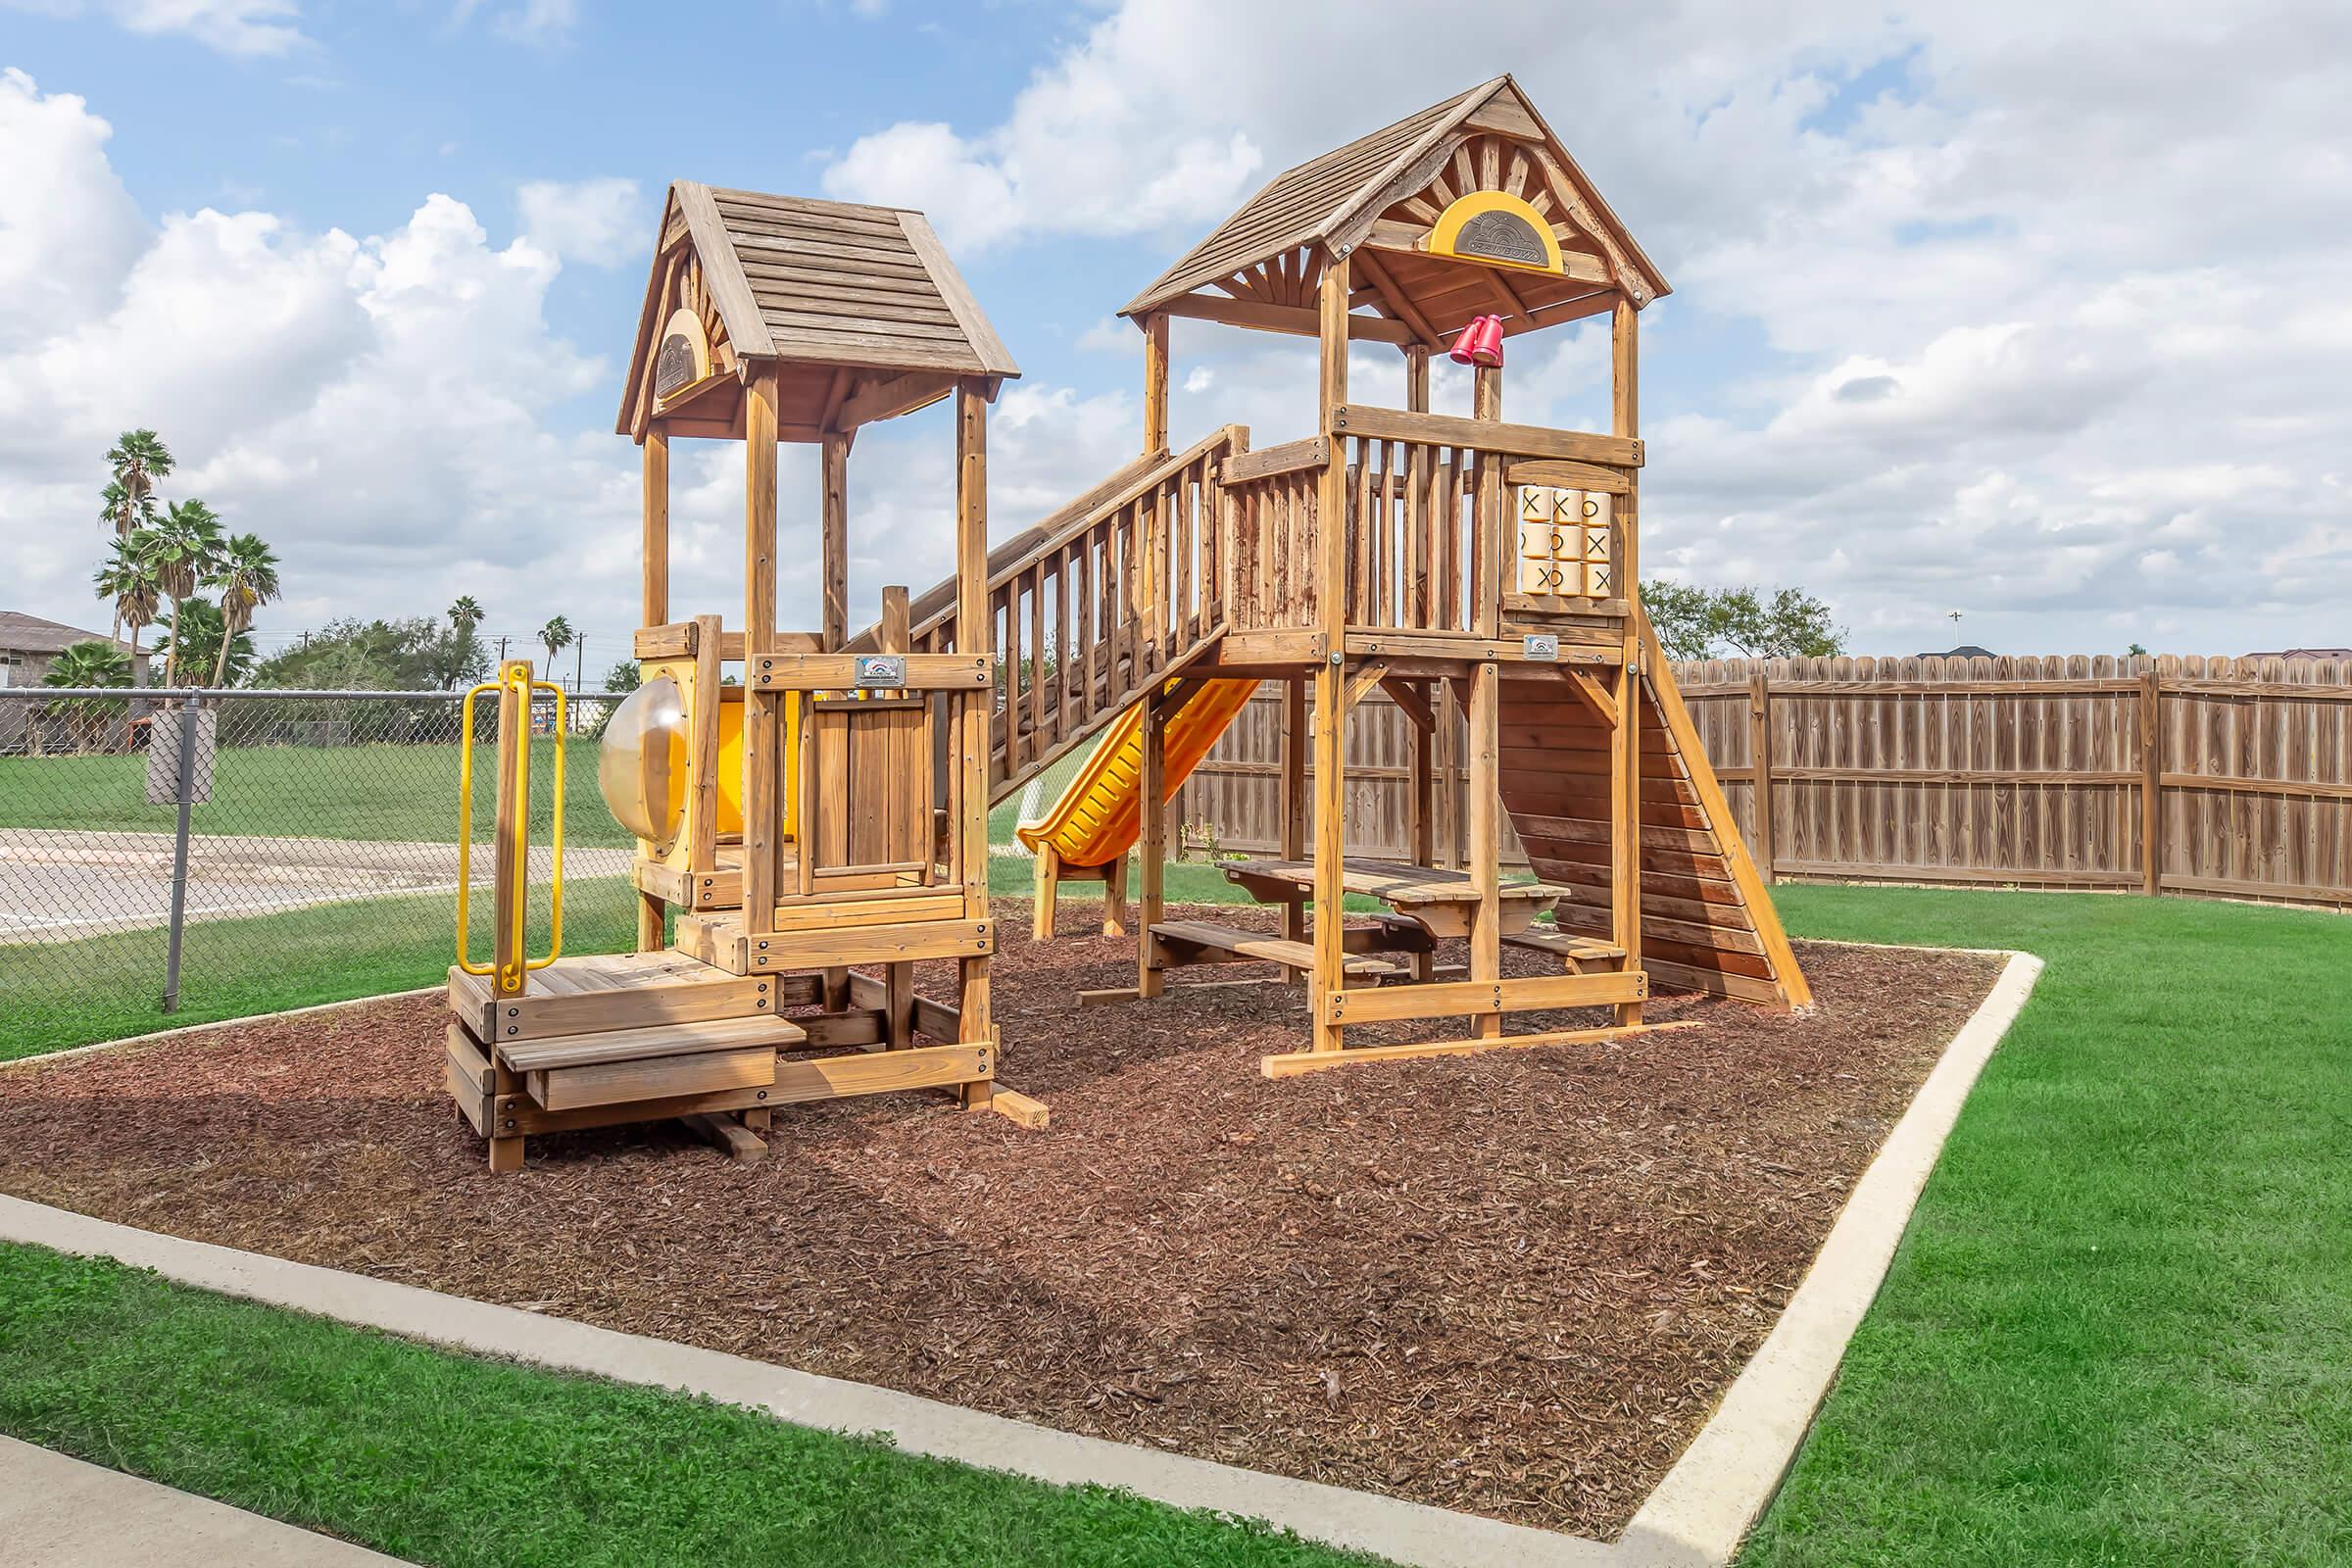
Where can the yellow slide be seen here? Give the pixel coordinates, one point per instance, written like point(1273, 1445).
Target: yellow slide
point(1095, 820)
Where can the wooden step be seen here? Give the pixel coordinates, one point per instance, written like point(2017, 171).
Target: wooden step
point(571, 1072)
point(1566, 945)
point(609, 990)
point(1259, 945)
point(839, 935)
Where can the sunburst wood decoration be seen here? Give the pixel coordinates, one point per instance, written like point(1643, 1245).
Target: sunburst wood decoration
point(1497, 229)
point(684, 356)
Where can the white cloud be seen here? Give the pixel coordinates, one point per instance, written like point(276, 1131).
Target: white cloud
point(593, 220)
point(2009, 311)
point(68, 229)
point(232, 27)
point(539, 23)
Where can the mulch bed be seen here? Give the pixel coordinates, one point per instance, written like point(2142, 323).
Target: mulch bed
point(1513, 1283)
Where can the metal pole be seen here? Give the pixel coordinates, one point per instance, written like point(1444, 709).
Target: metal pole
point(179, 852)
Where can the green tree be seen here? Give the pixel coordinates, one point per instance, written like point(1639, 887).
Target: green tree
point(89, 664)
point(184, 551)
point(555, 636)
point(138, 458)
point(623, 676)
point(247, 578)
point(130, 583)
point(206, 641)
point(1715, 623)
point(463, 616)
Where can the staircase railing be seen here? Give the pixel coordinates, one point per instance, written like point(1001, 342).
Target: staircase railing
point(1124, 581)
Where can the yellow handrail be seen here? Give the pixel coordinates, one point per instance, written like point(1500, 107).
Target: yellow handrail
point(522, 866)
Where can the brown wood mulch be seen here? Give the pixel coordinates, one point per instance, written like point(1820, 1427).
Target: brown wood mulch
point(1513, 1283)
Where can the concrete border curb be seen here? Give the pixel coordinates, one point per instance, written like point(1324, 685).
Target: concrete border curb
point(1695, 1518)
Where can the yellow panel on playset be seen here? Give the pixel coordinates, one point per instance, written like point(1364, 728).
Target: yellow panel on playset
point(642, 768)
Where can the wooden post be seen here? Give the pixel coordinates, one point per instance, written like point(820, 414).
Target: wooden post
point(1114, 898)
point(1156, 383)
point(1331, 672)
point(834, 529)
point(1048, 889)
point(1152, 840)
point(654, 611)
point(1483, 850)
point(1425, 795)
point(510, 860)
point(1625, 746)
point(974, 635)
point(762, 710)
point(1293, 796)
point(2151, 781)
point(1759, 750)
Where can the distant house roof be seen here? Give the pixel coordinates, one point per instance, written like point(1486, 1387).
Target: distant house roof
point(2305, 653)
point(1964, 651)
point(20, 633)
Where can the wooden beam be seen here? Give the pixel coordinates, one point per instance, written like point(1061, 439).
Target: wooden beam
point(1294, 794)
point(1156, 383)
point(833, 530)
point(763, 710)
point(1331, 712)
point(1396, 298)
point(1603, 706)
point(1410, 699)
point(1294, 319)
point(1624, 740)
point(1371, 673)
point(974, 634)
point(1487, 435)
point(1293, 1063)
point(654, 596)
point(1152, 843)
point(889, 398)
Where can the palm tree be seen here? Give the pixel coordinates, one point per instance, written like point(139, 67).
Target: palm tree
point(89, 664)
point(130, 583)
point(199, 636)
point(183, 551)
point(138, 458)
point(555, 636)
point(466, 614)
point(247, 578)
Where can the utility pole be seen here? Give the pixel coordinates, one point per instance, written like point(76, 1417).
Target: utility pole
point(580, 654)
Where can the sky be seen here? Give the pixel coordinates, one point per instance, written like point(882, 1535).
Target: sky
point(2012, 309)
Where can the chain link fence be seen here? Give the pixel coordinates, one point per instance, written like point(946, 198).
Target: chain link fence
point(301, 847)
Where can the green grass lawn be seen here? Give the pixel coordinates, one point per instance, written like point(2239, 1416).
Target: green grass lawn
point(108, 987)
point(2116, 1333)
point(448, 1460)
point(2119, 1328)
point(399, 794)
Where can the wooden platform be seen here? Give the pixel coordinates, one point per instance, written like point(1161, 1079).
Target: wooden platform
point(1441, 899)
point(618, 990)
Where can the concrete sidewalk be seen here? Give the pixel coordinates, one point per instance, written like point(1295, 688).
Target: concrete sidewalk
point(57, 1512)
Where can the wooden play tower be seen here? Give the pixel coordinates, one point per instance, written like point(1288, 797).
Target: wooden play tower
point(804, 804)
point(1483, 573)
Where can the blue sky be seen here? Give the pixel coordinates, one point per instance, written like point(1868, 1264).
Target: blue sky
point(1968, 314)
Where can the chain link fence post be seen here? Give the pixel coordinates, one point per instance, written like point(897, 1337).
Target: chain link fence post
point(185, 796)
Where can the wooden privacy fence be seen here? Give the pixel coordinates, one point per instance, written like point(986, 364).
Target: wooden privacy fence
point(2056, 773)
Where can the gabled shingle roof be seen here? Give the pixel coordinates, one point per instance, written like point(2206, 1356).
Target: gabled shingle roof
point(1333, 198)
point(828, 283)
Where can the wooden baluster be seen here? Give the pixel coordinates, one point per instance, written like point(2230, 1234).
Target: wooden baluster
point(1036, 662)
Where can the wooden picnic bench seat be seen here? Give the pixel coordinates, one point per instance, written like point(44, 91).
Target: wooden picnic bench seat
point(1243, 944)
point(1439, 899)
point(1576, 949)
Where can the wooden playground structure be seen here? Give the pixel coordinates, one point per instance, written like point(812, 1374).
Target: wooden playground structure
point(826, 808)
point(830, 811)
point(1480, 572)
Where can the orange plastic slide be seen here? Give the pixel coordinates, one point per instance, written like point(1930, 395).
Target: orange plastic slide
point(1095, 820)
